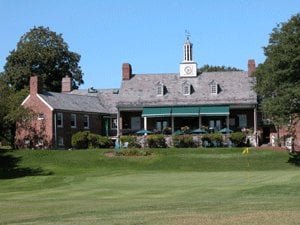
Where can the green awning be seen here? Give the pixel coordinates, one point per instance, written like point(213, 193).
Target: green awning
point(157, 112)
point(214, 110)
point(185, 111)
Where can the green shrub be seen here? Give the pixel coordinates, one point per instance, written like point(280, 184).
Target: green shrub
point(238, 138)
point(213, 139)
point(132, 141)
point(206, 137)
point(93, 140)
point(183, 141)
point(85, 139)
point(104, 142)
point(156, 141)
point(80, 140)
point(217, 137)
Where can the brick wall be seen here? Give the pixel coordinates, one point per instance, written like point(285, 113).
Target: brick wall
point(39, 128)
point(66, 131)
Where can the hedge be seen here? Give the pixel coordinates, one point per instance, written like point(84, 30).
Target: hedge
point(156, 141)
point(85, 139)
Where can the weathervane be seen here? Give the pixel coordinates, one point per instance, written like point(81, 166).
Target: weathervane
point(187, 34)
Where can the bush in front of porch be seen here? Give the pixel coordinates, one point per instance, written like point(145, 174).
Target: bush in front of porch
point(212, 139)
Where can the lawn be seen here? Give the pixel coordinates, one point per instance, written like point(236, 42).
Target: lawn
point(172, 186)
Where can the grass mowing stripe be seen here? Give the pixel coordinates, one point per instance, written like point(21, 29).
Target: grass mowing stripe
point(173, 186)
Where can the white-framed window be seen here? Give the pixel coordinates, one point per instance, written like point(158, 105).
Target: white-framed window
point(214, 89)
point(41, 116)
point(242, 120)
point(60, 141)
point(186, 88)
point(160, 89)
point(211, 124)
point(86, 121)
point(59, 119)
point(73, 120)
point(114, 123)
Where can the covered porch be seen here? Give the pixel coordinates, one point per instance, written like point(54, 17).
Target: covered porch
point(212, 118)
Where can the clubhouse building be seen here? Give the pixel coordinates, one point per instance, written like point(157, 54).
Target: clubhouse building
point(162, 103)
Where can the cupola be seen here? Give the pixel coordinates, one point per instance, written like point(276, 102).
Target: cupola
point(188, 68)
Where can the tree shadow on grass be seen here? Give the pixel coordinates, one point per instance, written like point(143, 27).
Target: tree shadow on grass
point(294, 158)
point(10, 168)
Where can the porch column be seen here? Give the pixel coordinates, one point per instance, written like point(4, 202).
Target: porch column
point(118, 123)
point(227, 123)
point(145, 123)
point(255, 120)
point(255, 126)
point(200, 122)
point(172, 124)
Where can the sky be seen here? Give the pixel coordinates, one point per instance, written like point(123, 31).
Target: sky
point(148, 34)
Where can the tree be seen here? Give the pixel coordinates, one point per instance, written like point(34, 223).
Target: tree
point(45, 53)
point(278, 78)
point(4, 108)
point(10, 110)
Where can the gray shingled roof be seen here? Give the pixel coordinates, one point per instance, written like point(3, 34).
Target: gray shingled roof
point(107, 97)
point(141, 90)
point(74, 102)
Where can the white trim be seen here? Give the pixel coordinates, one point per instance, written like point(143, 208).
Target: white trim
point(118, 123)
point(214, 89)
point(218, 113)
point(160, 90)
point(25, 100)
point(46, 103)
point(188, 86)
point(145, 123)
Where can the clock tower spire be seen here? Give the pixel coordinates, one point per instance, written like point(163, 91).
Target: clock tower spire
point(188, 50)
point(188, 68)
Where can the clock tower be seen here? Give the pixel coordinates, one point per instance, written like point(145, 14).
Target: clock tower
point(188, 68)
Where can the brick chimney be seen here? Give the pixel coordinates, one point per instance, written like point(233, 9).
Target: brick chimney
point(251, 67)
point(66, 84)
point(126, 71)
point(36, 84)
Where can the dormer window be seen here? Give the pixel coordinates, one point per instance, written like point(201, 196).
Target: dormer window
point(186, 88)
point(213, 88)
point(160, 89)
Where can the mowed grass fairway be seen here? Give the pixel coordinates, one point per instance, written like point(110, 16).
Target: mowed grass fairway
point(172, 186)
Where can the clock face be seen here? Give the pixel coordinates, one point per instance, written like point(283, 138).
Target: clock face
point(188, 70)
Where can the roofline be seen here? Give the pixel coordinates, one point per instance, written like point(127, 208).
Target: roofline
point(25, 100)
point(83, 112)
point(46, 103)
point(231, 106)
